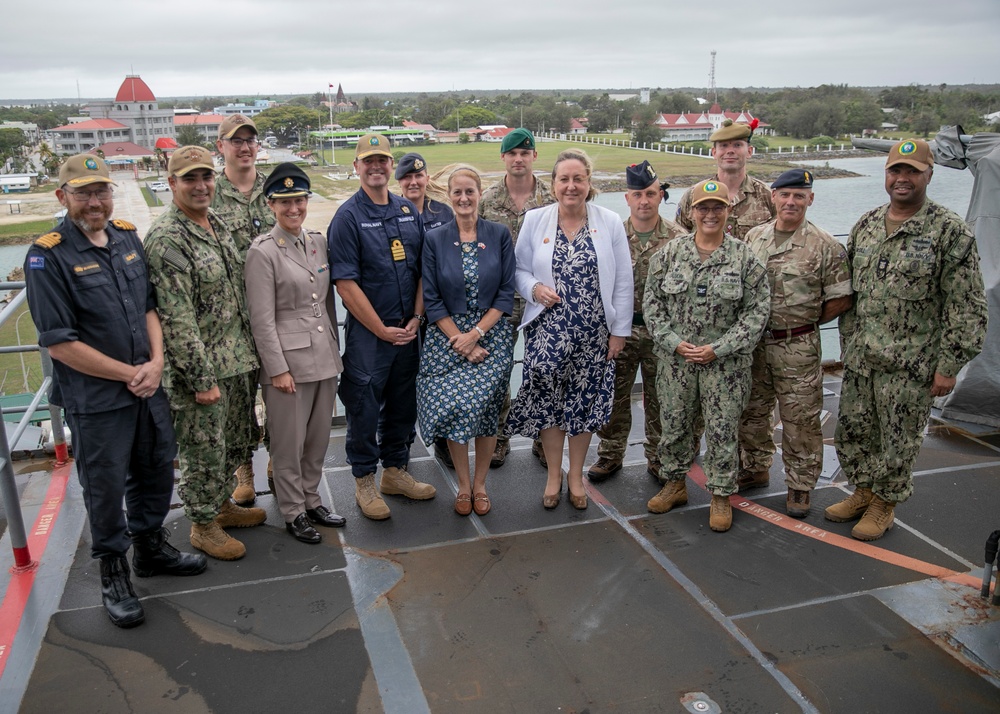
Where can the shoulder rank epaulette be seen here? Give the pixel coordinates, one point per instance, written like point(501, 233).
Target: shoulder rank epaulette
point(122, 225)
point(49, 240)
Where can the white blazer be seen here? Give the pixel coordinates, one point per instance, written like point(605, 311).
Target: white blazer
point(614, 262)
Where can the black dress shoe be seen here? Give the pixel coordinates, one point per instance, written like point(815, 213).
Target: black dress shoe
point(322, 516)
point(119, 599)
point(302, 530)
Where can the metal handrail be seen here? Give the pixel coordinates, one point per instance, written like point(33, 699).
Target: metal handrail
point(8, 488)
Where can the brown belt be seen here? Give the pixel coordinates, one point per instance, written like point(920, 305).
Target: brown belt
point(793, 332)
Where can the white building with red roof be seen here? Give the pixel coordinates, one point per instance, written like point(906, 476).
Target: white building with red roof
point(84, 136)
point(698, 126)
point(206, 124)
point(136, 107)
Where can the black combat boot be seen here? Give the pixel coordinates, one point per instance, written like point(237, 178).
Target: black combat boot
point(153, 555)
point(120, 601)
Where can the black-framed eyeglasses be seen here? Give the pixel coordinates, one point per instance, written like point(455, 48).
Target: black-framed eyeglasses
point(238, 143)
point(714, 208)
point(101, 194)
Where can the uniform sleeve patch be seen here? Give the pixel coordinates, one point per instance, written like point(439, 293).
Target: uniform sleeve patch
point(49, 240)
point(962, 245)
point(755, 274)
point(36, 262)
point(122, 225)
point(176, 259)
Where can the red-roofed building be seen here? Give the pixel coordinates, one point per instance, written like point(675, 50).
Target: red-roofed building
point(206, 124)
point(122, 152)
point(497, 134)
point(576, 126)
point(698, 126)
point(135, 106)
point(86, 135)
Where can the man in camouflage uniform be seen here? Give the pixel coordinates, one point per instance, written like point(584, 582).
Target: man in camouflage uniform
point(506, 202)
point(647, 232)
point(705, 307)
point(919, 315)
point(240, 203)
point(211, 364)
point(751, 198)
point(810, 284)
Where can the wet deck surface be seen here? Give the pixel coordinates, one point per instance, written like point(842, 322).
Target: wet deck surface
point(611, 609)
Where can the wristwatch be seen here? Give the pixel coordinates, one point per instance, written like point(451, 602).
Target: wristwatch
point(421, 318)
point(478, 329)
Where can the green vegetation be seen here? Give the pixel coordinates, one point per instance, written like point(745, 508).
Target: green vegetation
point(11, 381)
point(23, 233)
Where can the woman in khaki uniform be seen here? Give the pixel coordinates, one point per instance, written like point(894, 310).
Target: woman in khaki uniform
point(294, 324)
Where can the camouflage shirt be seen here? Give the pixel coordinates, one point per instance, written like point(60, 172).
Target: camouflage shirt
point(723, 301)
point(246, 218)
point(751, 205)
point(641, 255)
point(202, 304)
point(919, 299)
point(496, 205)
point(804, 272)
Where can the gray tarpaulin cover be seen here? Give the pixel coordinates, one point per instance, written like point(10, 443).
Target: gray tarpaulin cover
point(976, 397)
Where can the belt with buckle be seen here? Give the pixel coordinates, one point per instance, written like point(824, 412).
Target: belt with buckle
point(793, 332)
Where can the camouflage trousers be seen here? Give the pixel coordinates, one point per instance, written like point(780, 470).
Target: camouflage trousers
point(790, 371)
point(637, 354)
point(515, 322)
point(212, 441)
point(719, 391)
point(880, 429)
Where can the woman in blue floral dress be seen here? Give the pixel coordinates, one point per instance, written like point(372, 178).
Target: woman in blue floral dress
point(575, 271)
point(468, 280)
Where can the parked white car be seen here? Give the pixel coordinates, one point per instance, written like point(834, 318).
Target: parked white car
point(158, 186)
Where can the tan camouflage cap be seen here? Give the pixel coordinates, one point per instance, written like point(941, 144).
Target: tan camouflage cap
point(912, 152)
point(84, 169)
point(231, 124)
point(371, 145)
point(188, 158)
point(709, 191)
point(730, 132)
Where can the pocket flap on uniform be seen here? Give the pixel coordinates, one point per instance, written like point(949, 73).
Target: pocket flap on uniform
point(295, 340)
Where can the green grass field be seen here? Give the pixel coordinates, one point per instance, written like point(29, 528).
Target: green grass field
point(20, 233)
point(11, 381)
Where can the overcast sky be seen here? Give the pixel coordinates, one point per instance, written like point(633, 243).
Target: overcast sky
point(256, 48)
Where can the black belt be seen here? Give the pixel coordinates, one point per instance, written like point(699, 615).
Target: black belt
point(637, 320)
point(793, 332)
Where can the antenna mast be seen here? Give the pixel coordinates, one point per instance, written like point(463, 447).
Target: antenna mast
point(711, 79)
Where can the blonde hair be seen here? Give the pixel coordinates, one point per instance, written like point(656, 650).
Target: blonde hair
point(468, 171)
point(577, 155)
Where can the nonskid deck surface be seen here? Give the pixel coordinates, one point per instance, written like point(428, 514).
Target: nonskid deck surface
point(612, 609)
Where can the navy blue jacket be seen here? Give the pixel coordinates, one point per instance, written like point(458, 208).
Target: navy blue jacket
point(444, 283)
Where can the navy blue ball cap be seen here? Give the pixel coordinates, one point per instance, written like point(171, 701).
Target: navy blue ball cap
point(287, 181)
point(411, 163)
point(794, 178)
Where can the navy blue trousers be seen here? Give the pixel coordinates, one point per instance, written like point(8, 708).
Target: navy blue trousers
point(125, 455)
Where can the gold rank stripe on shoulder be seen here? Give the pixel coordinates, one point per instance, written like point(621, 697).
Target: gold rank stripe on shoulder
point(49, 240)
point(122, 225)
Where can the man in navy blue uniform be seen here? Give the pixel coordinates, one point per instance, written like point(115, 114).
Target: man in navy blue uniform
point(375, 240)
point(95, 311)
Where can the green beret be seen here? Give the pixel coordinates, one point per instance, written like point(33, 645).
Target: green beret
point(730, 132)
point(518, 139)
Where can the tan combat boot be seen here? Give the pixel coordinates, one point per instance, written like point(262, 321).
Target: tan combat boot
point(369, 499)
point(604, 468)
point(233, 516)
point(797, 503)
point(851, 507)
point(877, 520)
point(752, 479)
point(245, 493)
point(720, 516)
point(397, 482)
point(675, 493)
point(215, 542)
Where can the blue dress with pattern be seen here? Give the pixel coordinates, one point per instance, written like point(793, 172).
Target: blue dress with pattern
point(568, 380)
point(458, 399)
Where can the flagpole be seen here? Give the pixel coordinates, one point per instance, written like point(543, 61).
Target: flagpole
point(333, 150)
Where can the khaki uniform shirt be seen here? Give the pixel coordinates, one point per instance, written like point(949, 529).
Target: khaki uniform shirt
point(751, 206)
point(496, 205)
point(202, 304)
point(919, 304)
point(804, 272)
point(246, 218)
